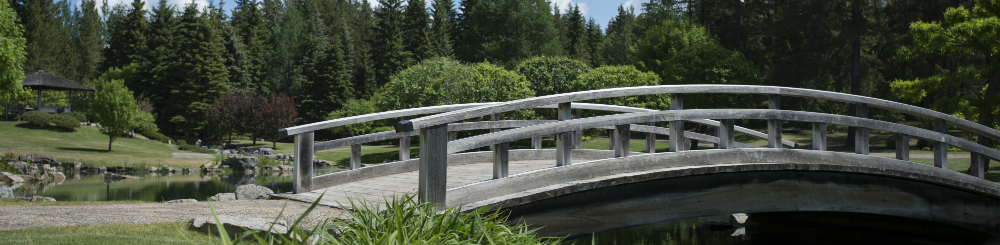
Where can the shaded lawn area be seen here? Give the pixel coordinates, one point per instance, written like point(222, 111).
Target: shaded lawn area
point(159, 233)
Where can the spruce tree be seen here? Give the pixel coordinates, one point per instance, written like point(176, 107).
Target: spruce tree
point(89, 40)
point(362, 37)
point(559, 23)
point(288, 37)
point(621, 36)
point(390, 49)
point(416, 30)
point(594, 39)
point(249, 25)
point(154, 64)
point(443, 28)
point(576, 32)
point(47, 30)
point(127, 39)
point(505, 39)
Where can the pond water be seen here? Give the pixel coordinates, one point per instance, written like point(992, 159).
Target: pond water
point(687, 231)
point(157, 187)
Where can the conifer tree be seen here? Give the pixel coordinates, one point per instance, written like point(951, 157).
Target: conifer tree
point(47, 31)
point(390, 49)
point(88, 41)
point(248, 23)
point(443, 28)
point(416, 30)
point(559, 23)
point(154, 64)
point(127, 39)
point(621, 35)
point(576, 32)
point(362, 37)
point(594, 39)
point(504, 39)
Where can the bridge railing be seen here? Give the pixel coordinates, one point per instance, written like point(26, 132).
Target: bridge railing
point(435, 145)
point(305, 148)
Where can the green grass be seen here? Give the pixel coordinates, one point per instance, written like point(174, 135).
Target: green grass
point(85, 140)
point(160, 233)
point(18, 202)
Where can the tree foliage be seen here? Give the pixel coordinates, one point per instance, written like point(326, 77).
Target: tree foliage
point(12, 54)
point(622, 76)
point(113, 107)
point(551, 75)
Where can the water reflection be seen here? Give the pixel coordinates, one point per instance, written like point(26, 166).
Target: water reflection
point(696, 231)
point(156, 186)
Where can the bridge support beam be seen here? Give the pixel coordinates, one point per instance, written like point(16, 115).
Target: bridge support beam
point(651, 140)
point(501, 160)
point(578, 135)
point(355, 156)
point(861, 133)
point(404, 145)
point(433, 165)
point(564, 143)
point(940, 148)
point(677, 142)
point(536, 142)
point(302, 179)
point(977, 169)
point(903, 147)
point(494, 117)
point(622, 137)
point(727, 139)
point(773, 125)
point(819, 136)
point(611, 139)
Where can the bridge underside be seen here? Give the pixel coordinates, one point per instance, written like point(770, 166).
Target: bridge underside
point(654, 201)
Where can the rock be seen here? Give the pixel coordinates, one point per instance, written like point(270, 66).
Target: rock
point(212, 170)
point(45, 160)
point(739, 218)
point(58, 177)
point(235, 225)
point(153, 169)
point(252, 192)
point(20, 166)
point(322, 163)
point(217, 151)
point(223, 197)
point(266, 151)
point(182, 201)
point(6, 192)
point(197, 143)
point(167, 169)
point(241, 163)
point(26, 177)
point(227, 152)
point(72, 165)
point(30, 170)
point(10, 178)
point(87, 168)
point(23, 158)
point(114, 176)
point(38, 199)
point(192, 170)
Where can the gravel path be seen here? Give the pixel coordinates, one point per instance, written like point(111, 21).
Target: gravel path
point(22, 217)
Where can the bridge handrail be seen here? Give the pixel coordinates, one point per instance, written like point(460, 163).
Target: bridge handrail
point(443, 118)
point(672, 115)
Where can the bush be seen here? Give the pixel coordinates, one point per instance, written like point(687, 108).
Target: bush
point(78, 116)
point(36, 118)
point(153, 135)
point(551, 75)
point(182, 145)
point(64, 122)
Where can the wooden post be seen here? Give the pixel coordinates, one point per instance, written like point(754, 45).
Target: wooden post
point(500, 160)
point(727, 138)
point(433, 165)
point(774, 125)
point(564, 141)
point(903, 147)
point(622, 137)
point(39, 101)
point(977, 169)
point(940, 148)
point(494, 117)
point(861, 133)
point(536, 142)
point(355, 156)
point(302, 178)
point(404, 145)
point(578, 135)
point(651, 140)
point(611, 139)
point(677, 142)
point(819, 136)
point(452, 135)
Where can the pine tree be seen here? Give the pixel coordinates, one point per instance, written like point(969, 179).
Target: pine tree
point(505, 39)
point(249, 25)
point(621, 36)
point(390, 50)
point(594, 39)
point(443, 28)
point(288, 33)
point(154, 63)
point(416, 30)
point(362, 37)
point(576, 32)
point(559, 23)
point(127, 39)
point(47, 28)
point(88, 41)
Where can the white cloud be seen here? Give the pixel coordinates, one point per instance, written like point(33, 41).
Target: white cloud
point(180, 4)
point(635, 4)
point(566, 6)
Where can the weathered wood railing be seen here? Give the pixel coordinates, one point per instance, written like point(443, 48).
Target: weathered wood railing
point(304, 179)
point(435, 145)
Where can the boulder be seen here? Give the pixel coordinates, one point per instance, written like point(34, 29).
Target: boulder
point(182, 201)
point(241, 163)
point(6, 192)
point(223, 197)
point(30, 170)
point(153, 169)
point(252, 192)
point(10, 178)
point(20, 166)
point(45, 160)
point(114, 176)
point(192, 170)
point(58, 177)
point(23, 158)
point(322, 163)
point(72, 165)
point(38, 199)
point(266, 151)
point(739, 218)
point(235, 225)
point(167, 169)
point(94, 169)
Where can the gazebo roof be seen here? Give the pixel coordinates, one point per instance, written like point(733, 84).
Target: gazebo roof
point(40, 80)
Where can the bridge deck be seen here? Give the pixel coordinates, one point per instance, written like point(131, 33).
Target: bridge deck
point(374, 189)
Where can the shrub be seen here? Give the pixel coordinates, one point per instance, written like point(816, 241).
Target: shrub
point(36, 118)
point(182, 145)
point(65, 122)
point(153, 135)
point(78, 116)
point(551, 75)
point(4, 167)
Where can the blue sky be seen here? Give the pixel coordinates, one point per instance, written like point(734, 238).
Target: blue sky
point(600, 10)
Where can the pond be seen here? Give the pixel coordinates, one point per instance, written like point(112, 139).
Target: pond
point(157, 187)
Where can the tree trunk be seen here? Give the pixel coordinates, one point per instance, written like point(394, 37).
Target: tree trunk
point(110, 139)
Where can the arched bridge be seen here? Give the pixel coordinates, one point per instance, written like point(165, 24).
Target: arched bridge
point(570, 191)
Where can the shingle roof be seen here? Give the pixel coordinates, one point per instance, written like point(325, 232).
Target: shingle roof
point(40, 80)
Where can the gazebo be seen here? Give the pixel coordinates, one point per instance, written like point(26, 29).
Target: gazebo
point(41, 81)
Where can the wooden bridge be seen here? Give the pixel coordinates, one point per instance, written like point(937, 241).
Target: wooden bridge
point(569, 190)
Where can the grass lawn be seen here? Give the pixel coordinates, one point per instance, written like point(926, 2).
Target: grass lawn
point(88, 145)
point(160, 233)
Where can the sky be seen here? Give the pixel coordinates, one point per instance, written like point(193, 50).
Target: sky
point(600, 10)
